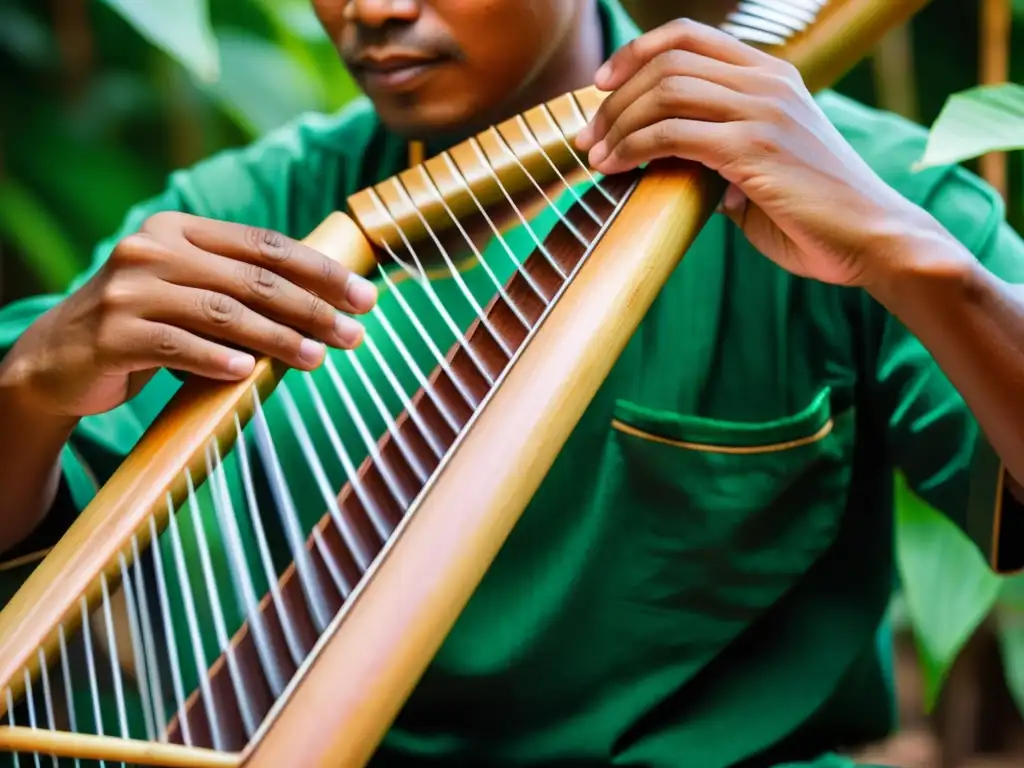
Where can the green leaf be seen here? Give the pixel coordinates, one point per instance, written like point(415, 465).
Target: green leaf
point(24, 37)
point(975, 122)
point(947, 586)
point(285, 90)
point(181, 28)
point(38, 237)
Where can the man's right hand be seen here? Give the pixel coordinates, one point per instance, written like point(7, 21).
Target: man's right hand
point(188, 294)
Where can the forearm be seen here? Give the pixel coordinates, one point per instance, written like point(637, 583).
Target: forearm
point(30, 448)
point(972, 322)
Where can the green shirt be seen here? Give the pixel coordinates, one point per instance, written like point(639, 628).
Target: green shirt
point(703, 576)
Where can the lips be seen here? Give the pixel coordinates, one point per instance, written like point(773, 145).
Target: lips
point(396, 72)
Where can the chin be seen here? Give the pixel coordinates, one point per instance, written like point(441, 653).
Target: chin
point(439, 122)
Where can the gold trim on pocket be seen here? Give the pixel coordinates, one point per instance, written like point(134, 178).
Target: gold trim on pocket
point(821, 434)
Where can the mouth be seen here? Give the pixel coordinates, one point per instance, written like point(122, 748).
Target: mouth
point(394, 73)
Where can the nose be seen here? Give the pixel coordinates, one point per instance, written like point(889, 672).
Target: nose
point(377, 13)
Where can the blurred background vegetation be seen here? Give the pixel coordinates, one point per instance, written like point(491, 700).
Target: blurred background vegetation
point(103, 98)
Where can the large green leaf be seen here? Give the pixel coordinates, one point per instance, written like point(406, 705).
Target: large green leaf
point(24, 37)
point(285, 87)
point(179, 27)
point(37, 235)
point(947, 586)
point(299, 32)
point(975, 122)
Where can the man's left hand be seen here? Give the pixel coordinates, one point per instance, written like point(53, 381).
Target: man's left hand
point(799, 191)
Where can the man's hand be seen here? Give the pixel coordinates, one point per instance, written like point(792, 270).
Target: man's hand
point(188, 294)
point(801, 194)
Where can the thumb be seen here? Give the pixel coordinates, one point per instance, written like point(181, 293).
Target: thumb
point(756, 225)
point(734, 205)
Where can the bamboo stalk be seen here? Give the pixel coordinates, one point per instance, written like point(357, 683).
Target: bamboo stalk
point(895, 80)
point(996, 23)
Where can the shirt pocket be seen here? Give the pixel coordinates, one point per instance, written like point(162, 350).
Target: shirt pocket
point(726, 516)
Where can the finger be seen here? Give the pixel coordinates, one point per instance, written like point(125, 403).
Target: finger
point(681, 34)
point(146, 345)
point(286, 257)
point(266, 293)
point(674, 97)
point(221, 318)
point(705, 143)
point(671, 64)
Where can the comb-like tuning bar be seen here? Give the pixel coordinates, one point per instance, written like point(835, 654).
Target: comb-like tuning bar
point(529, 142)
point(771, 22)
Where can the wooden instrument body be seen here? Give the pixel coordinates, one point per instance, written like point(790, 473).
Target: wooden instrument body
point(350, 690)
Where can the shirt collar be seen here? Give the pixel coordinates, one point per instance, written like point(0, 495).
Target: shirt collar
point(617, 25)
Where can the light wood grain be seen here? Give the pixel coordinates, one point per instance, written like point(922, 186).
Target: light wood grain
point(400, 205)
point(110, 748)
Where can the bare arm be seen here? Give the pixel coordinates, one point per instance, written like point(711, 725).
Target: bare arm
point(30, 446)
point(972, 323)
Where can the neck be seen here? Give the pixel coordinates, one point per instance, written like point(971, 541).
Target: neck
point(571, 66)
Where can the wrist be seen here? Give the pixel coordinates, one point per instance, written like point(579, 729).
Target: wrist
point(20, 402)
point(916, 260)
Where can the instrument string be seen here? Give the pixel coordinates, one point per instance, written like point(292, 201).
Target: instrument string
point(113, 657)
point(65, 670)
point(377, 517)
point(30, 702)
point(241, 576)
point(476, 252)
point(11, 721)
point(51, 721)
point(165, 613)
point(242, 693)
point(442, 362)
point(287, 623)
point(408, 453)
point(436, 303)
point(142, 672)
point(453, 271)
point(540, 189)
point(496, 232)
point(538, 242)
point(578, 113)
point(91, 668)
point(345, 586)
point(407, 405)
point(387, 471)
point(532, 138)
point(193, 628)
point(315, 595)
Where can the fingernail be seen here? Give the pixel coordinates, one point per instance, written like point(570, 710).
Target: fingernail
point(362, 294)
point(241, 364)
point(598, 153)
point(311, 352)
point(603, 73)
point(348, 331)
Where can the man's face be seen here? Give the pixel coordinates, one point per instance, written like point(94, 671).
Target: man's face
point(442, 67)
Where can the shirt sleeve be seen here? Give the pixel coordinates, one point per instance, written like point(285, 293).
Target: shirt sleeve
point(933, 436)
point(288, 181)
